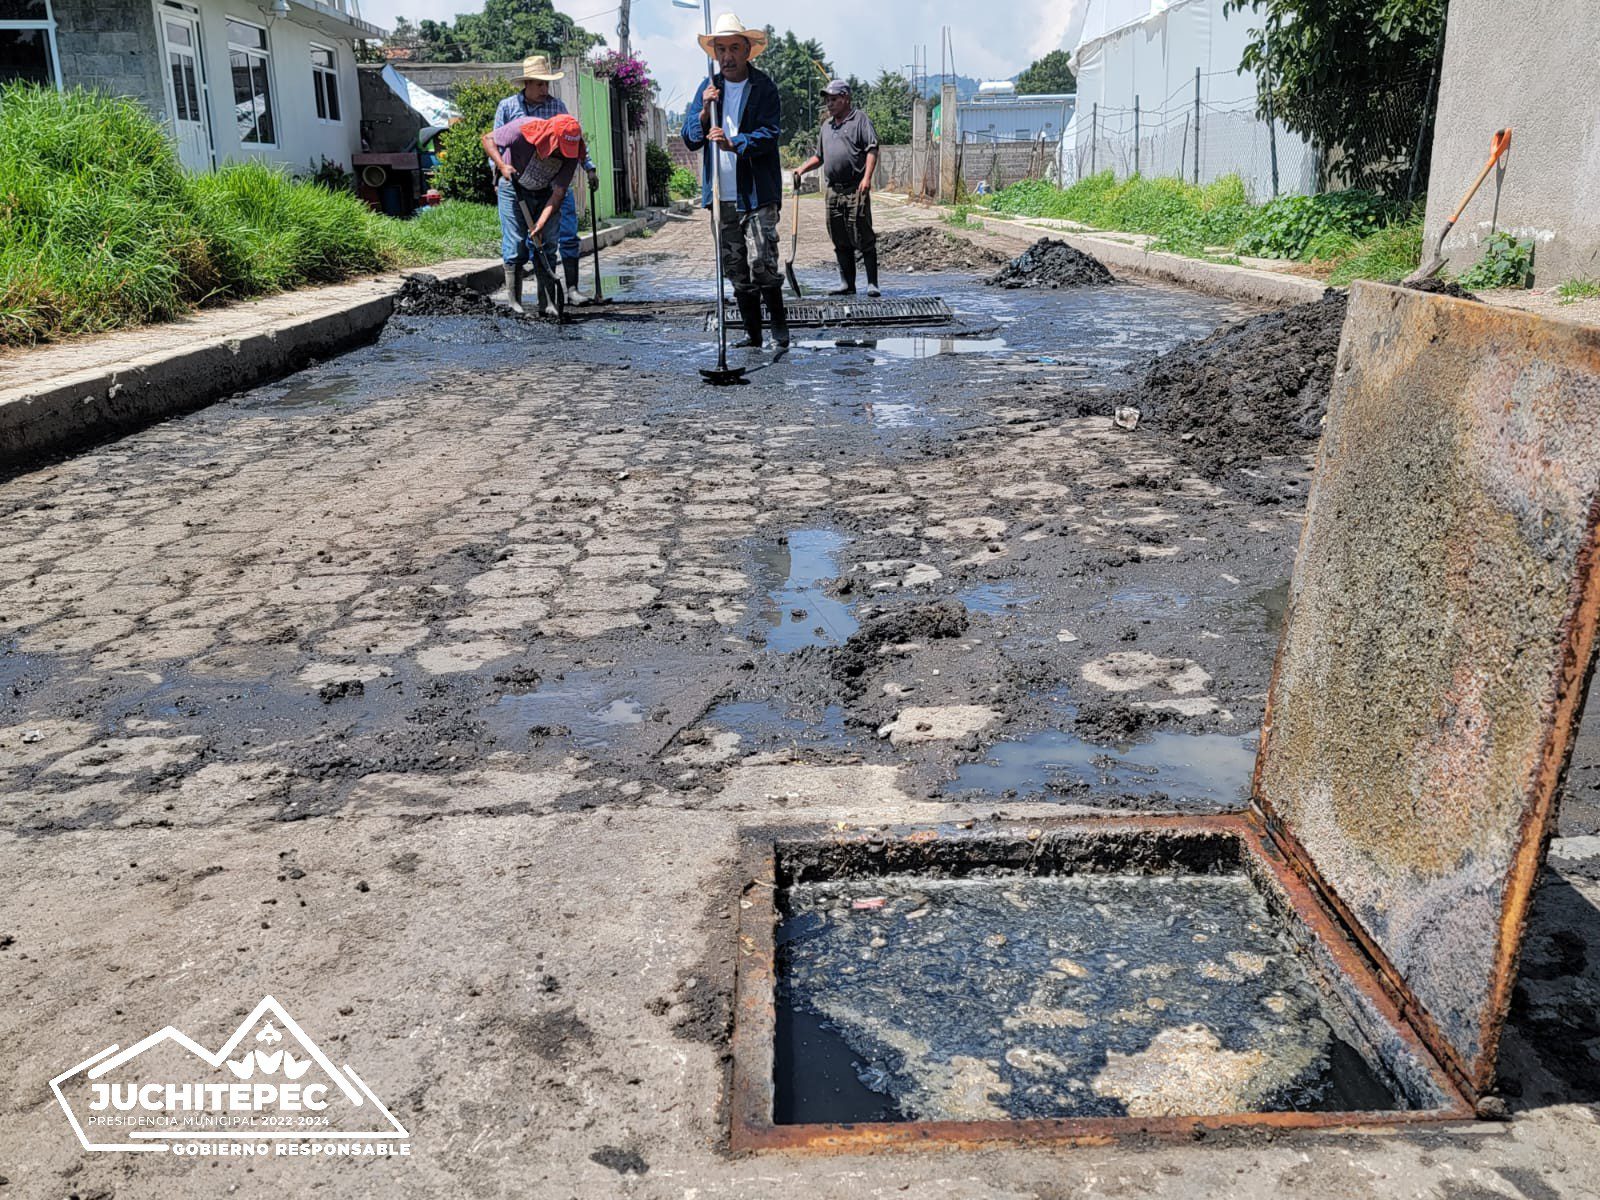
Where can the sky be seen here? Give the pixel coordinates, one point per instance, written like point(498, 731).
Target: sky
point(994, 40)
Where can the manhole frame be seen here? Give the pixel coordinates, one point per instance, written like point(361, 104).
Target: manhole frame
point(754, 1042)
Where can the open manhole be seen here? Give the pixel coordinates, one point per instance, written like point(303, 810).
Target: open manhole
point(1342, 953)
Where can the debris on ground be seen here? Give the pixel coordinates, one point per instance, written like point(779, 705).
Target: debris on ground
point(1126, 418)
point(927, 249)
point(341, 689)
point(859, 654)
point(424, 295)
point(1051, 263)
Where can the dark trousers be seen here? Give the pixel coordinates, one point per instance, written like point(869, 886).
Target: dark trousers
point(850, 227)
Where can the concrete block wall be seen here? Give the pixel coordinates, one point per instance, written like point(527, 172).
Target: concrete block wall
point(109, 45)
point(1540, 75)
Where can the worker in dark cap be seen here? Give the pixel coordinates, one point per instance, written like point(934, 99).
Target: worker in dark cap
point(847, 152)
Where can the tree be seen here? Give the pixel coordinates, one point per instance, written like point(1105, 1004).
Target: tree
point(799, 69)
point(1353, 76)
point(464, 172)
point(1051, 74)
point(888, 103)
point(505, 31)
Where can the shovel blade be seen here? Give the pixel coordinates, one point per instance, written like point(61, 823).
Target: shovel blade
point(794, 282)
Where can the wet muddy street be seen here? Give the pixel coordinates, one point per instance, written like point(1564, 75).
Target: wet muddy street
point(427, 690)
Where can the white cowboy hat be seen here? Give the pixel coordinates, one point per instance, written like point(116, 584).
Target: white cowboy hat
point(729, 25)
point(537, 66)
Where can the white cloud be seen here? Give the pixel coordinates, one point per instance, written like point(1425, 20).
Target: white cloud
point(993, 40)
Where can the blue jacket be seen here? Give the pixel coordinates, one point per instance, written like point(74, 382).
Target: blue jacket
point(758, 172)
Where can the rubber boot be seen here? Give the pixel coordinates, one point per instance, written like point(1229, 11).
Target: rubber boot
point(869, 259)
point(847, 273)
point(773, 298)
point(750, 315)
point(575, 294)
point(549, 301)
point(514, 286)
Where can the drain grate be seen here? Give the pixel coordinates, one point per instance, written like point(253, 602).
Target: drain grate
point(855, 311)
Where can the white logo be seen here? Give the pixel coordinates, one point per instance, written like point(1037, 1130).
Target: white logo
point(268, 1091)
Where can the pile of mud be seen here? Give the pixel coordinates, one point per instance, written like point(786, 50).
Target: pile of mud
point(1050, 263)
point(927, 249)
point(424, 295)
point(1249, 390)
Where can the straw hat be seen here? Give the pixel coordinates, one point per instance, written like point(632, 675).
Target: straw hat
point(537, 66)
point(729, 25)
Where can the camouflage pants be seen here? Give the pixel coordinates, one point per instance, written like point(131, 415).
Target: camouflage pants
point(750, 248)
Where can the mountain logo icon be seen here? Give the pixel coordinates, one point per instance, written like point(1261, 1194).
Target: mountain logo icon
point(269, 1089)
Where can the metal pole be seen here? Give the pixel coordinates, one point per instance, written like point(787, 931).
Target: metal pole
point(622, 27)
point(1428, 101)
point(1094, 138)
point(1136, 135)
point(716, 210)
point(1197, 127)
point(1272, 119)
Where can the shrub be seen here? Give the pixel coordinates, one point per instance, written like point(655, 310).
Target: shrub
point(657, 172)
point(1506, 263)
point(464, 172)
point(1306, 227)
point(682, 184)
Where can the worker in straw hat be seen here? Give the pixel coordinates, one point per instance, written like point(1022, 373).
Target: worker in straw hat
point(733, 120)
point(535, 100)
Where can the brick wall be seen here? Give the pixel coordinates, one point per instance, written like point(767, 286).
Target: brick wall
point(111, 46)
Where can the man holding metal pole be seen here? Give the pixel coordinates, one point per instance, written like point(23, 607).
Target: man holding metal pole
point(847, 152)
point(734, 120)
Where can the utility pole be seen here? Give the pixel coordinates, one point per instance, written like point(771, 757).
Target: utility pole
point(1272, 116)
point(622, 26)
point(1136, 134)
point(1197, 127)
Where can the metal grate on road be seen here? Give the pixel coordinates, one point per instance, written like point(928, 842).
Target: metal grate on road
point(855, 311)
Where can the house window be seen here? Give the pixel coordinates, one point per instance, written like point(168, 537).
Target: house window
point(1021, 135)
point(27, 43)
point(325, 82)
point(249, 59)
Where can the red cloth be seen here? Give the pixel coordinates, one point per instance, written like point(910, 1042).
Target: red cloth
point(560, 134)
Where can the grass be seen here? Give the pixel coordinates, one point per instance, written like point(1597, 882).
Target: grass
point(961, 217)
point(1343, 235)
point(100, 227)
point(1573, 290)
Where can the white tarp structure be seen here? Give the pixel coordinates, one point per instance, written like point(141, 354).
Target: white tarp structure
point(434, 110)
point(1144, 53)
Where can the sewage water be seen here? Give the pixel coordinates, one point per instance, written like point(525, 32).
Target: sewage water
point(1210, 767)
point(1013, 996)
point(914, 346)
point(593, 711)
point(995, 599)
point(801, 613)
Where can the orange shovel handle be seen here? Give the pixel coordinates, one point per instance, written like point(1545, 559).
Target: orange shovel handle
point(1497, 148)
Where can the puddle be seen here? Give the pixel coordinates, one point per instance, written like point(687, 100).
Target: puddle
point(995, 599)
point(1272, 604)
point(916, 346)
point(1211, 767)
point(1085, 995)
point(592, 710)
point(800, 613)
point(764, 726)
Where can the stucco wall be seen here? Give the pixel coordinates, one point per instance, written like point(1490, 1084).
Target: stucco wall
point(1540, 74)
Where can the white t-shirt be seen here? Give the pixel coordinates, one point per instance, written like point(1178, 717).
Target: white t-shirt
point(727, 160)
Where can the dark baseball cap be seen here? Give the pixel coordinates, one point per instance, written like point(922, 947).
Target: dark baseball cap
point(836, 87)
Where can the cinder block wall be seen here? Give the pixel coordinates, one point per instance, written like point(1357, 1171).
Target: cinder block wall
point(1532, 66)
point(110, 45)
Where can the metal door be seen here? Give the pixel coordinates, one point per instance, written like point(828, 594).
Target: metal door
point(180, 35)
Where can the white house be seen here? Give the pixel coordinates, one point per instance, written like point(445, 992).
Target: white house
point(232, 79)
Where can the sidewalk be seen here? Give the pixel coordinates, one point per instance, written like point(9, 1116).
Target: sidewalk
point(64, 395)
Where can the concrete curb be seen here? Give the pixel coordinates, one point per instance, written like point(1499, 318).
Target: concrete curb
point(1216, 279)
point(131, 385)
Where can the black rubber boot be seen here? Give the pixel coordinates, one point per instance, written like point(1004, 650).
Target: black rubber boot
point(514, 286)
point(869, 259)
point(847, 273)
point(773, 297)
point(575, 294)
point(750, 314)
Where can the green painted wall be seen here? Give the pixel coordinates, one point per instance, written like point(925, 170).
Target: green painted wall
point(594, 109)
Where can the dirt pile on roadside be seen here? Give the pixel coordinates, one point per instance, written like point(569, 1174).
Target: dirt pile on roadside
point(927, 249)
point(1050, 263)
point(424, 295)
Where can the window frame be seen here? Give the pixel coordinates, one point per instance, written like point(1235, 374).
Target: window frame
point(47, 23)
point(332, 79)
point(263, 53)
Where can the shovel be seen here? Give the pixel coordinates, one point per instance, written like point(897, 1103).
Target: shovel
point(541, 268)
point(794, 245)
point(1497, 148)
point(594, 233)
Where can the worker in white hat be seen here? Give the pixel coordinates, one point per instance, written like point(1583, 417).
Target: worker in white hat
point(743, 150)
point(535, 100)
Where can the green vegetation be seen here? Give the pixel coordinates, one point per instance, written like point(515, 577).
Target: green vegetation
point(92, 241)
point(1574, 290)
point(683, 184)
point(1049, 75)
point(505, 31)
point(1506, 263)
point(658, 170)
point(464, 172)
point(961, 217)
point(1353, 230)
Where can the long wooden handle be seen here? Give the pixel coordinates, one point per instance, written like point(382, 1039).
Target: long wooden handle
point(1501, 143)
